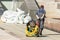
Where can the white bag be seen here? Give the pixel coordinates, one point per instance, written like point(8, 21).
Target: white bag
point(10, 16)
point(21, 19)
point(27, 19)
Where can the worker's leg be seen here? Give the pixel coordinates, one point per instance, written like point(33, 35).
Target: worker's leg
point(41, 26)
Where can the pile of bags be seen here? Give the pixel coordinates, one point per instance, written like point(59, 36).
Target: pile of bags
point(10, 16)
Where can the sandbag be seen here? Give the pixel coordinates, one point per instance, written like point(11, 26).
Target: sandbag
point(10, 16)
point(27, 19)
point(21, 19)
point(18, 16)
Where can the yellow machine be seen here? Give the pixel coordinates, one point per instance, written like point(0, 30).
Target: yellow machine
point(33, 32)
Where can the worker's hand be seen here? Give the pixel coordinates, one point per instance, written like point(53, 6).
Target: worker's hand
point(37, 16)
point(42, 16)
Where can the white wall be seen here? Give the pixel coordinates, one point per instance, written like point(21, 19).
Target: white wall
point(50, 7)
point(10, 5)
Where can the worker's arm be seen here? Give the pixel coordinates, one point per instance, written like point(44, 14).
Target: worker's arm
point(37, 16)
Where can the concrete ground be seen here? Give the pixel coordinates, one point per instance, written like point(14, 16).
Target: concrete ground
point(6, 36)
point(17, 32)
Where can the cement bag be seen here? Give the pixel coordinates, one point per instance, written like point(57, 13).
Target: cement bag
point(13, 19)
point(21, 19)
point(20, 11)
point(21, 16)
point(27, 19)
point(9, 16)
point(4, 16)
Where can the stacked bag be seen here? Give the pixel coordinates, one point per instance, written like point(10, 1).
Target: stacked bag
point(18, 16)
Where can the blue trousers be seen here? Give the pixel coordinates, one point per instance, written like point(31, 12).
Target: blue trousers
point(41, 24)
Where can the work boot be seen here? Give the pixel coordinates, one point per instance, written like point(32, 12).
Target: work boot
point(41, 33)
